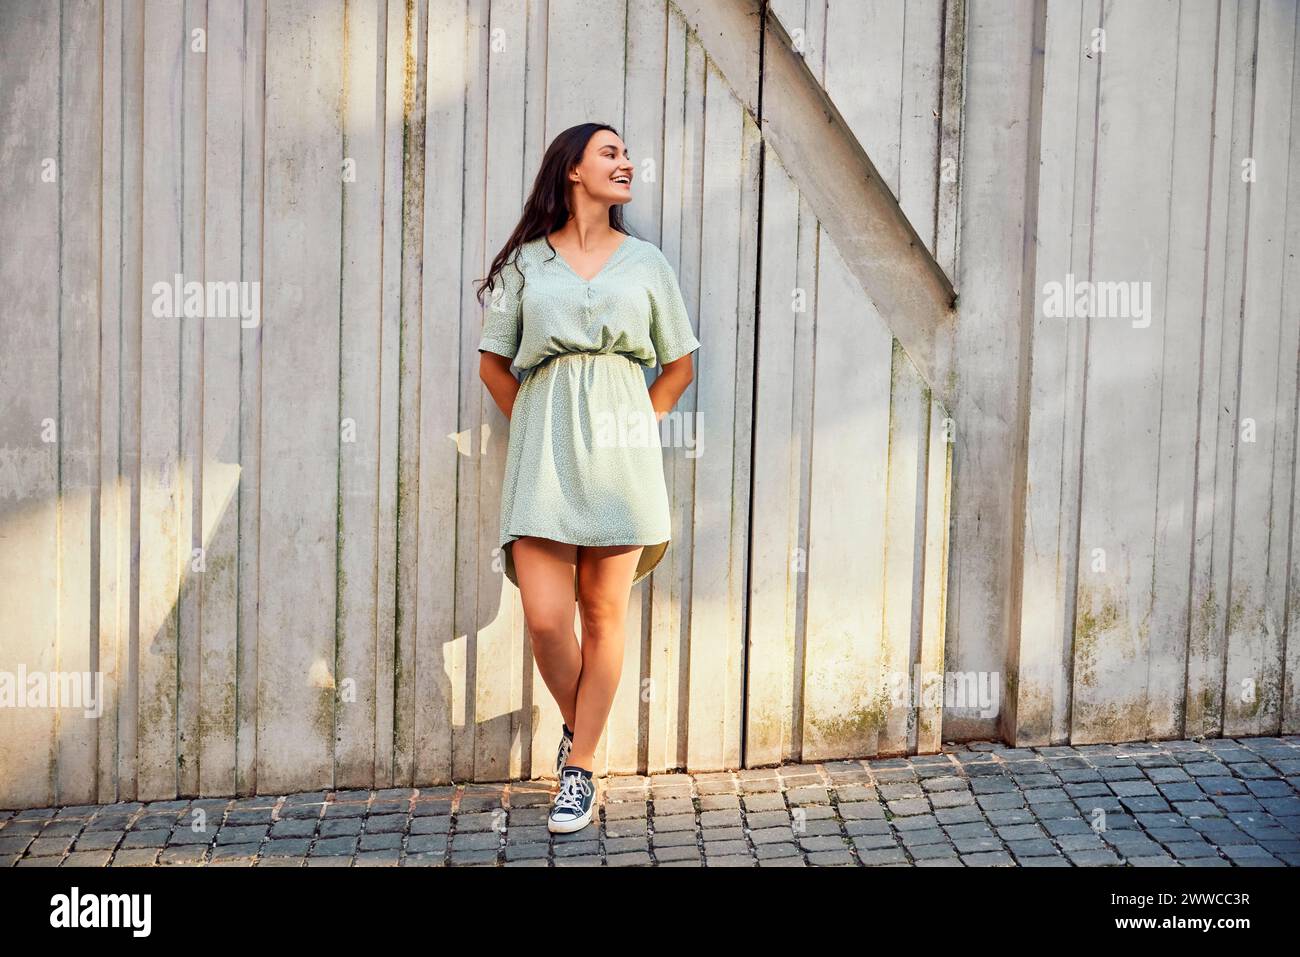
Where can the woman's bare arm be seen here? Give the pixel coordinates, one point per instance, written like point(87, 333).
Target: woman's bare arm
point(669, 385)
point(495, 372)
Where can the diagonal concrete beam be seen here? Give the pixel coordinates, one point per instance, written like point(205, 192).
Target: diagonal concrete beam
point(837, 177)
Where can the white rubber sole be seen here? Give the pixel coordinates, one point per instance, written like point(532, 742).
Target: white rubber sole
point(568, 827)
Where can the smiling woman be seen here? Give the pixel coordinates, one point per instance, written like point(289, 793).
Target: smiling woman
point(579, 307)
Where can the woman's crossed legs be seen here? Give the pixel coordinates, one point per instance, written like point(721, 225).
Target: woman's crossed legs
point(582, 678)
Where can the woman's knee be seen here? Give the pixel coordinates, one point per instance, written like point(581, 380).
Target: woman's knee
point(602, 614)
point(549, 625)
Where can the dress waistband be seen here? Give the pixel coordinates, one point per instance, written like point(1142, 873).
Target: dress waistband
point(579, 353)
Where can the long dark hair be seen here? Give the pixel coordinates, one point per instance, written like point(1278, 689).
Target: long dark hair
point(547, 207)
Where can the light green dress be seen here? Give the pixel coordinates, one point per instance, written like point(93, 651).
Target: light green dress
point(585, 464)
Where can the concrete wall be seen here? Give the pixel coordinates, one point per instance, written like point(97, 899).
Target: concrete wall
point(1123, 540)
point(274, 536)
point(1158, 593)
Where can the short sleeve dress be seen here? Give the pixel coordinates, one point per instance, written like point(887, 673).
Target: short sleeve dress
point(584, 463)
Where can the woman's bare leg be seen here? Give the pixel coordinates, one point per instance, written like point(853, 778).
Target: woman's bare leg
point(604, 583)
point(546, 571)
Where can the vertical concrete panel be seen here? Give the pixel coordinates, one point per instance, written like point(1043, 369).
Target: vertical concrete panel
point(220, 461)
point(668, 657)
point(79, 383)
point(498, 669)
point(253, 151)
point(300, 448)
point(189, 667)
point(1219, 384)
point(1184, 349)
point(844, 705)
point(776, 564)
point(1121, 417)
point(30, 47)
point(114, 493)
point(900, 638)
point(442, 444)
point(1040, 655)
point(360, 360)
point(162, 541)
point(717, 570)
point(1264, 424)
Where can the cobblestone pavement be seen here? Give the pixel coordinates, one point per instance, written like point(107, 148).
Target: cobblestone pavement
point(1212, 803)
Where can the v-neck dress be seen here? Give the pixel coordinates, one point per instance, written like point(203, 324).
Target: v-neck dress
point(584, 463)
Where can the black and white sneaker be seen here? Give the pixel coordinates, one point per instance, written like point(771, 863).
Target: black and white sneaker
point(566, 745)
point(573, 804)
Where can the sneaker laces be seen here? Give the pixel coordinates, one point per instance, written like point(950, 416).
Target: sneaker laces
point(572, 792)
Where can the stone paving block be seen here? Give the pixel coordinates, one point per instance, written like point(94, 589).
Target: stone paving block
point(630, 809)
point(872, 841)
point(874, 856)
point(853, 828)
point(428, 844)
point(912, 839)
point(87, 859)
point(1094, 857)
point(293, 828)
point(723, 848)
point(632, 859)
point(808, 795)
point(342, 827)
point(976, 845)
point(675, 839)
point(1044, 862)
point(291, 847)
point(239, 835)
point(576, 845)
point(516, 852)
point(473, 841)
point(472, 858)
point(386, 824)
point(932, 852)
point(720, 818)
point(764, 802)
point(334, 847)
point(1034, 847)
point(389, 857)
point(724, 834)
point(1000, 800)
point(438, 860)
point(769, 851)
point(620, 845)
point(735, 860)
point(135, 857)
point(825, 842)
point(675, 822)
point(189, 855)
point(682, 853)
point(226, 852)
point(720, 802)
point(803, 828)
point(988, 859)
point(632, 827)
point(909, 806)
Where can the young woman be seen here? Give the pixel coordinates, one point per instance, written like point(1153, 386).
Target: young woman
point(578, 307)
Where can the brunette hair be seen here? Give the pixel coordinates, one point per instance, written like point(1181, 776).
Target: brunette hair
point(547, 207)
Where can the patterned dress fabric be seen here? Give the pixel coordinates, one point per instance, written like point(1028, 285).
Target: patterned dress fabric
point(584, 463)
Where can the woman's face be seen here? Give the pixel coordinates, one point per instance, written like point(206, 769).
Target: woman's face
point(605, 173)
